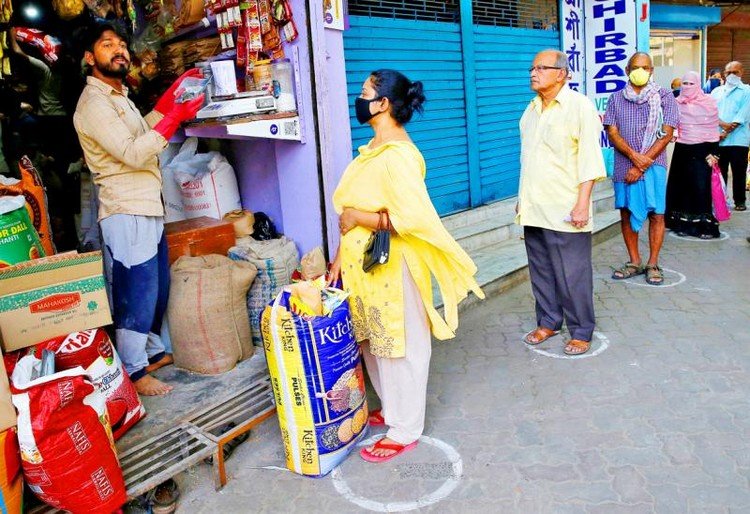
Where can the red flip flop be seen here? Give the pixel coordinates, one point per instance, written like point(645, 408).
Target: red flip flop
point(376, 419)
point(380, 445)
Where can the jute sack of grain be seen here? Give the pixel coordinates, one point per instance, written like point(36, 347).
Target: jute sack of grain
point(276, 260)
point(208, 321)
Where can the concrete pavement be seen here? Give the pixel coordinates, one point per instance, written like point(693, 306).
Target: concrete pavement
point(657, 421)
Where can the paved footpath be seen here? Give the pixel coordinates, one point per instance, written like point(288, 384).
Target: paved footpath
point(657, 419)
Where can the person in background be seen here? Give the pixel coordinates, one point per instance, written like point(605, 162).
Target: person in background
point(121, 149)
point(392, 305)
point(689, 201)
point(560, 161)
point(714, 80)
point(58, 142)
point(733, 99)
point(640, 121)
point(675, 86)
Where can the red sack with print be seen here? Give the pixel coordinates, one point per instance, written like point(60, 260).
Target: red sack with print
point(67, 452)
point(94, 352)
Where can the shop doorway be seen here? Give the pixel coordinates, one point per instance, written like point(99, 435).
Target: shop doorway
point(675, 53)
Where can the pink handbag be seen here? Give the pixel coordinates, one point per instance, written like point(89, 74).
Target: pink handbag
point(719, 194)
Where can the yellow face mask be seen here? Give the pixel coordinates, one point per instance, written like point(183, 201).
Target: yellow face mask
point(639, 77)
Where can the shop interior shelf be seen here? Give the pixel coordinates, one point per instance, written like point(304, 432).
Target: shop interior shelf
point(284, 126)
point(190, 29)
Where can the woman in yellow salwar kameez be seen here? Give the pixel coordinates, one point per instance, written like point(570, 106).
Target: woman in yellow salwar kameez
point(392, 305)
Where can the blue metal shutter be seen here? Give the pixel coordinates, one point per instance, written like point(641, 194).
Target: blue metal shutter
point(503, 56)
point(431, 52)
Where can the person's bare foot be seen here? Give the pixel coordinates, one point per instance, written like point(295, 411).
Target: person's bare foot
point(150, 386)
point(164, 361)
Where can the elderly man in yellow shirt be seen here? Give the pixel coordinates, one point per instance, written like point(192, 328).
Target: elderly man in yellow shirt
point(560, 161)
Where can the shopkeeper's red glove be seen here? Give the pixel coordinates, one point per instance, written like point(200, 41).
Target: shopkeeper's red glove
point(179, 113)
point(166, 102)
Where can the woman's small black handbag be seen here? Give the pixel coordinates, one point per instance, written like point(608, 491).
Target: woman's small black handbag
point(379, 244)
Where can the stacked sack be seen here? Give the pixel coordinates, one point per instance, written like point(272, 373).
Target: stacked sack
point(276, 260)
point(198, 184)
point(316, 372)
point(93, 351)
point(67, 451)
point(30, 188)
point(208, 324)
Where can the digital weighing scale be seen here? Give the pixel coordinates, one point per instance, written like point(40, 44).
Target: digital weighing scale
point(243, 103)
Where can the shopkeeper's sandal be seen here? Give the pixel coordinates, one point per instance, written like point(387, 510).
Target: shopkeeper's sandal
point(577, 347)
point(539, 335)
point(654, 275)
point(398, 449)
point(627, 270)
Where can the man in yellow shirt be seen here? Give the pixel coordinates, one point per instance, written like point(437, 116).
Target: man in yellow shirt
point(560, 161)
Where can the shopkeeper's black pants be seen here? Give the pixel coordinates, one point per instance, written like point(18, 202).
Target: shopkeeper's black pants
point(736, 156)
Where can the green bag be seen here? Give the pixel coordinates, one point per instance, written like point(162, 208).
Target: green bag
point(19, 241)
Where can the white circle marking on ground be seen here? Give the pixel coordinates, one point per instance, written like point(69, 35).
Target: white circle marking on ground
point(723, 237)
point(434, 497)
point(640, 281)
point(603, 345)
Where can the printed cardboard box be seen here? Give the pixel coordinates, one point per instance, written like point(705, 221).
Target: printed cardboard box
point(7, 411)
point(51, 297)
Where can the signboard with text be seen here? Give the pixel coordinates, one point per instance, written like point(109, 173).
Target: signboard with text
point(599, 36)
point(573, 43)
point(610, 41)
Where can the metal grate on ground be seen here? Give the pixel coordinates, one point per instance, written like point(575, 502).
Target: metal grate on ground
point(194, 439)
point(528, 14)
point(426, 10)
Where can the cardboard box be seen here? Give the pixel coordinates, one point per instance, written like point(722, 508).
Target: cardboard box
point(51, 297)
point(7, 411)
point(199, 236)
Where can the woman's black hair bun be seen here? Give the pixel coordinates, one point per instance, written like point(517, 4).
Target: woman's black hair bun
point(406, 96)
point(415, 96)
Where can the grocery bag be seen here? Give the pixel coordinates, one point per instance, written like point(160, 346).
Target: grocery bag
point(67, 452)
point(207, 182)
point(94, 351)
point(719, 194)
point(318, 384)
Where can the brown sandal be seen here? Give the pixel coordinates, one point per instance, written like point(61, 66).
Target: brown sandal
point(577, 347)
point(654, 275)
point(539, 335)
point(627, 270)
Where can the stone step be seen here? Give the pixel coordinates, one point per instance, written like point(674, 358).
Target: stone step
point(493, 224)
point(504, 264)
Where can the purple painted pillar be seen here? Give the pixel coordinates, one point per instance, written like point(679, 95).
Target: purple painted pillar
point(255, 163)
point(333, 116)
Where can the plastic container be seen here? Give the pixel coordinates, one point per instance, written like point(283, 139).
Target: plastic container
point(283, 81)
point(263, 75)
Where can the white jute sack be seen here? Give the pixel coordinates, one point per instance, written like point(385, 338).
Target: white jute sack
point(208, 321)
point(170, 189)
point(206, 182)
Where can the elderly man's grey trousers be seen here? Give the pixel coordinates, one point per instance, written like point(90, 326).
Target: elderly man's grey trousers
point(562, 280)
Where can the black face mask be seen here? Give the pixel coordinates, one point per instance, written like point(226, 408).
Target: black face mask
point(362, 109)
